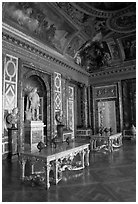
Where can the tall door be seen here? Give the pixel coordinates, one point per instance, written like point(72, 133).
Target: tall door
point(107, 115)
point(70, 109)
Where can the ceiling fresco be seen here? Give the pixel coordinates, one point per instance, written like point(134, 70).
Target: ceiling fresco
point(40, 21)
point(129, 47)
point(68, 26)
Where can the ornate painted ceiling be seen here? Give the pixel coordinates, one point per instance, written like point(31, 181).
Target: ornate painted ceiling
point(67, 27)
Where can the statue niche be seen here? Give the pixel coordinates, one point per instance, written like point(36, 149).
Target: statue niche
point(33, 107)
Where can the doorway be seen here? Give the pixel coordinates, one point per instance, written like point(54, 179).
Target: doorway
point(107, 115)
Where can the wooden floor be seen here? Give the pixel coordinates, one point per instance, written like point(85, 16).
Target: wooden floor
point(109, 178)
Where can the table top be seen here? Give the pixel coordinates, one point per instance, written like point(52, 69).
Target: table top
point(108, 136)
point(61, 149)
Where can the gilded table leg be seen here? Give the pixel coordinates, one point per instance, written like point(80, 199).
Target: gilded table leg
point(82, 158)
point(120, 140)
point(47, 171)
point(23, 162)
point(87, 157)
point(110, 145)
point(92, 143)
point(32, 168)
point(95, 142)
point(56, 171)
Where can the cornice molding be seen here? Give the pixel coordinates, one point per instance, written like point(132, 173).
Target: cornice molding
point(18, 34)
point(115, 70)
point(34, 47)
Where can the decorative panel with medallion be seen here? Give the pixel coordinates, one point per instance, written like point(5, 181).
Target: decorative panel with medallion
point(57, 97)
point(57, 92)
point(10, 82)
point(10, 77)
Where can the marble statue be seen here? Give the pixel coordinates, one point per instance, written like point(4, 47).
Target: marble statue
point(33, 104)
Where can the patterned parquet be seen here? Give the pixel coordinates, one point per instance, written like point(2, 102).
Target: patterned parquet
point(109, 178)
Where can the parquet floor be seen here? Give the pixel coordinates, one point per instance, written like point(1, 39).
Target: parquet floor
point(109, 178)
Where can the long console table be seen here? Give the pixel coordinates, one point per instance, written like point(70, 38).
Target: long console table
point(56, 159)
point(107, 142)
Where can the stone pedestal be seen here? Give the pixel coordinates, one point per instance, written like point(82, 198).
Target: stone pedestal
point(12, 141)
point(60, 131)
point(34, 133)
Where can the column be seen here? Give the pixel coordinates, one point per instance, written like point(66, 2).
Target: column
point(120, 106)
point(85, 97)
point(52, 109)
point(94, 112)
point(20, 99)
point(89, 107)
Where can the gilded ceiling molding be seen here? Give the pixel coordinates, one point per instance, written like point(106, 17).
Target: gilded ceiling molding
point(99, 13)
point(93, 11)
point(123, 21)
